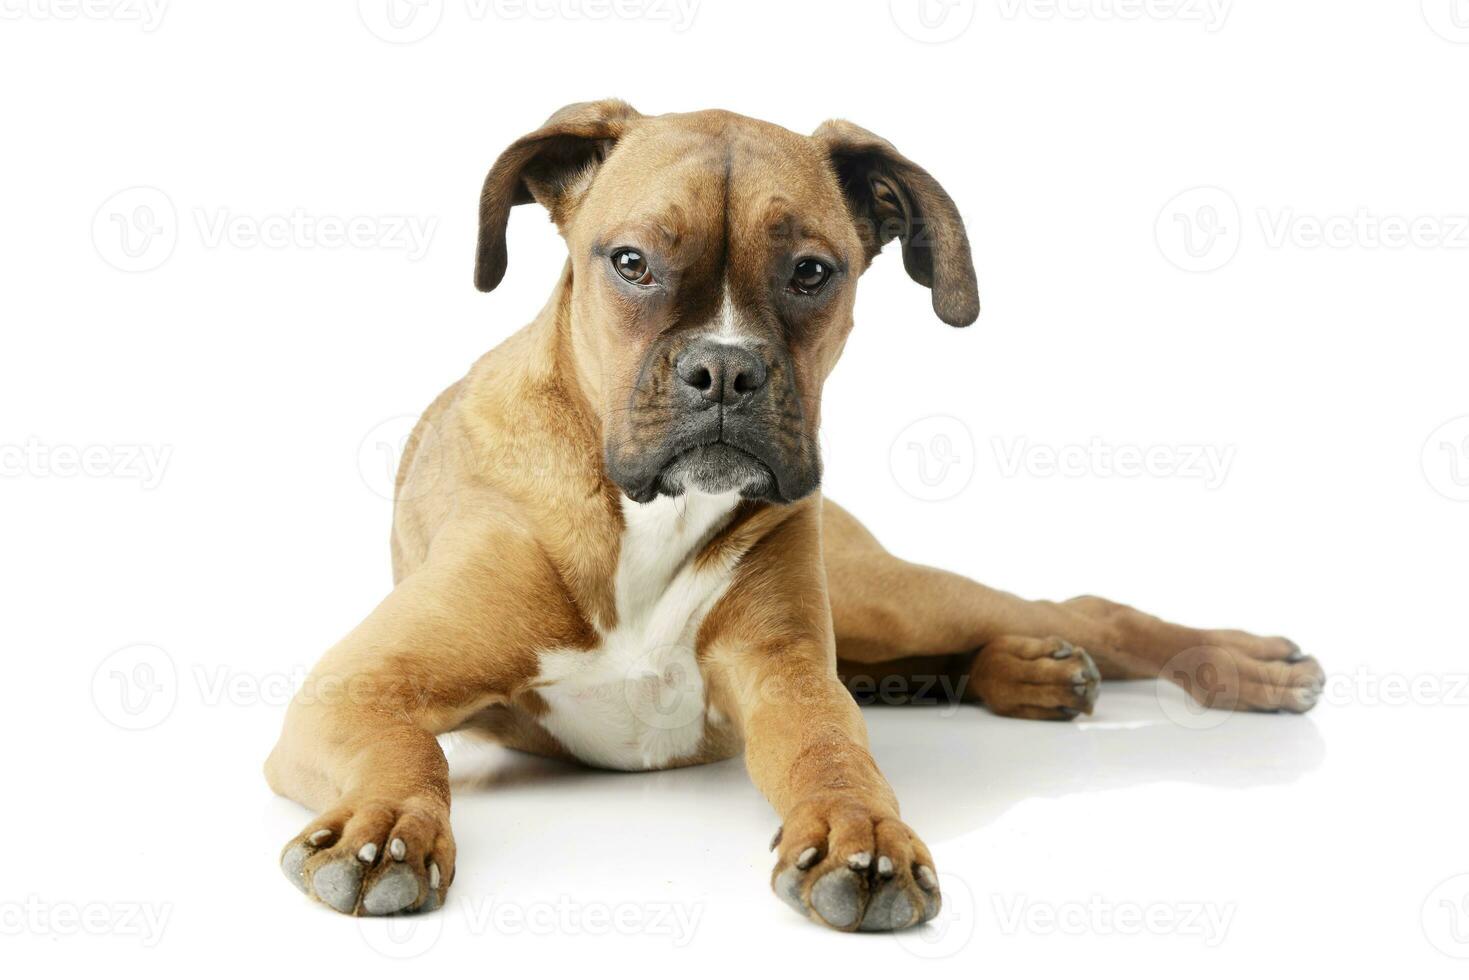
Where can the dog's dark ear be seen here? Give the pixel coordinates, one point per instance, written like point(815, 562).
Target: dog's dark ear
point(553, 165)
point(891, 197)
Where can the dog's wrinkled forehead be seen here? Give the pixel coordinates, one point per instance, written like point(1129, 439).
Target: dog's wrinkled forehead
point(593, 164)
point(718, 198)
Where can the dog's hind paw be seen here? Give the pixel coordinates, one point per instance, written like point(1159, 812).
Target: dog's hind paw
point(847, 867)
point(374, 858)
point(1237, 671)
point(1020, 677)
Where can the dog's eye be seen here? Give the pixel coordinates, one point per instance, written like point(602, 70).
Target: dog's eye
point(631, 266)
point(810, 276)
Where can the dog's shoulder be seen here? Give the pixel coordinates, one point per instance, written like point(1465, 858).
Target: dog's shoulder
point(511, 449)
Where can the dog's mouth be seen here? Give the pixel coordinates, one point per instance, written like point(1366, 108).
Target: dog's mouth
point(717, 467)
point(710, 453)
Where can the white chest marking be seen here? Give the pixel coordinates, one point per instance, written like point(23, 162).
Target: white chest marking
point(637, 700)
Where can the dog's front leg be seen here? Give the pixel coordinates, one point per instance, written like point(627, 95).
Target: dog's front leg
point(359, 745)
point(844, 857)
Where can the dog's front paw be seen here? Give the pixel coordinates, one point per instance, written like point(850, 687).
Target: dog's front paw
point(850, 866)
point(376, 857)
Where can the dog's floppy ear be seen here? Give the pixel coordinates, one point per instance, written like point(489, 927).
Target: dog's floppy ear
point(553, 165)
point(891, 197)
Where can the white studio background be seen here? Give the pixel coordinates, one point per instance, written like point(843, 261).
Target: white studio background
point(1220, 375)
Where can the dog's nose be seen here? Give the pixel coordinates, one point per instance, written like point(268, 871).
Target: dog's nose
point(722, 374)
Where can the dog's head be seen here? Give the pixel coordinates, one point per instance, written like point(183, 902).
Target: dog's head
point(714, 263)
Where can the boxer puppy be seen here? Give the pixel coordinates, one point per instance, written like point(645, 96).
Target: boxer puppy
point(609, 544)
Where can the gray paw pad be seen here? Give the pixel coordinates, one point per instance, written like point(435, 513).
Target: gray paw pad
point(888, 910)
point(837, 898)
point(394, 891)
point(932, 902)
point(788, 887)
point(293, 864)
point(338, 883)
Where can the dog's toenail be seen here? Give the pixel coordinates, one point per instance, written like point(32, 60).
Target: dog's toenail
point(368, 853)
point(927, 880)
point(885, 866)
point(1062, 652)
point(320, 837)
point(1295, 656)
point(860, 861)
point(433, 876)
point(806, 858)
point(837, 898)
point(775, 841)
point(397, 849)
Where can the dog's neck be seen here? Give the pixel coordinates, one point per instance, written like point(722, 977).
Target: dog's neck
point(555, 361)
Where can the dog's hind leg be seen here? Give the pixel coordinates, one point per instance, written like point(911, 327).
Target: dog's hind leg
point(905, 625)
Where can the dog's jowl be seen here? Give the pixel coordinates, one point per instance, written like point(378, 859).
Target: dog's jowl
point(610, 545)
